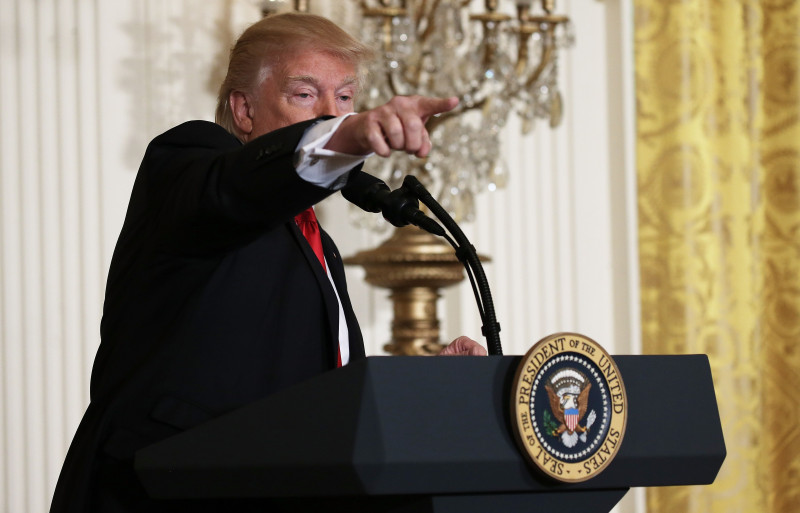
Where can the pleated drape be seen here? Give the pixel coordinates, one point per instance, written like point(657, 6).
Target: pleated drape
point(718, 162)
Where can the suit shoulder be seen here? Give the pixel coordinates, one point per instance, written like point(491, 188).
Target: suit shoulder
point(197, 134)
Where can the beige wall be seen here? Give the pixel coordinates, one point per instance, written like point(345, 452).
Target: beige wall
point(85, 84)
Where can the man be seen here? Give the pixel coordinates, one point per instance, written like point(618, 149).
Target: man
point(215, 297)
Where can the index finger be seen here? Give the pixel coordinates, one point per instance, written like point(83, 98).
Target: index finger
point(428, 106)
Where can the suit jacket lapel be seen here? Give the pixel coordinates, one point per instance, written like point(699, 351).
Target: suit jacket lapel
point(328, 294)
point(336, 267)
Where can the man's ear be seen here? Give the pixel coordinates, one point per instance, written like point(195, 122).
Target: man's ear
point(242, 113)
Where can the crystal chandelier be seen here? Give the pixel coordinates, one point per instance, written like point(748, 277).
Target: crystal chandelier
point(496, 62)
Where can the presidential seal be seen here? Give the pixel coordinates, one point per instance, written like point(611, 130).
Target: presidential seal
point(569, 407)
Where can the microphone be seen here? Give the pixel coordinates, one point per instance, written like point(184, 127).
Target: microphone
point(400, 207)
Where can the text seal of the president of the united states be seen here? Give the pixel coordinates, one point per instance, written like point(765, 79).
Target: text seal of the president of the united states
point(569, 407)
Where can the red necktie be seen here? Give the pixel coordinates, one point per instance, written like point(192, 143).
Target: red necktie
point(307, 222)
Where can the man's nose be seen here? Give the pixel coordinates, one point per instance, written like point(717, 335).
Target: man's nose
point(326, 106)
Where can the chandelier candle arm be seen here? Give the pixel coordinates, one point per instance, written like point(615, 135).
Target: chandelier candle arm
point(429, 25)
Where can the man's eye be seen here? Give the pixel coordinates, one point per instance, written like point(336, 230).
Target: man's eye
point(304, 95)
point(345, 98)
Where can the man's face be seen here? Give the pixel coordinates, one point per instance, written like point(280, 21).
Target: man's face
point(305, 84)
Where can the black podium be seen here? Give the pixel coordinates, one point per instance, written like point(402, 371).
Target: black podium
point(433, 435)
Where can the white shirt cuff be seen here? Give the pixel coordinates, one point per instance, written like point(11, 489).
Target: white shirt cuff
point(323, 167)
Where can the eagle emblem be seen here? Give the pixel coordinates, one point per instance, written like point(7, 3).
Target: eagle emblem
point(568, 391)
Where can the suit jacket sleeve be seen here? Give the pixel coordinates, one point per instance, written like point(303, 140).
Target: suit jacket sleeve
point(207, 191)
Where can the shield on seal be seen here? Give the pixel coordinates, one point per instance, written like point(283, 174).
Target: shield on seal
point(571, 418)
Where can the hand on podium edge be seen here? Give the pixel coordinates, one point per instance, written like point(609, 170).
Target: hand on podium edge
point(463, 346)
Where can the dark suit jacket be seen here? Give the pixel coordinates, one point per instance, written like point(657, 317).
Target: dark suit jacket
point(214, 299)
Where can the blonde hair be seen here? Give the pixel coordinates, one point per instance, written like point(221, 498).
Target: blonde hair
point(262, 44)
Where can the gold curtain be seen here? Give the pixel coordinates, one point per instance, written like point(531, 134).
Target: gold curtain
point(718, 159)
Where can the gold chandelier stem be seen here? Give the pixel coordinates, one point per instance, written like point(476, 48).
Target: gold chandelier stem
point(415, 328)
point(387, 34)
point(413, 265)
point(522, 54)
point(491, 47)
point(434, 122)
point(548, 54)
point(420, 6)
point(392, 85)
point(431, 26)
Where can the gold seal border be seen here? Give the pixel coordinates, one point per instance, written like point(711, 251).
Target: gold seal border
point(537, 356)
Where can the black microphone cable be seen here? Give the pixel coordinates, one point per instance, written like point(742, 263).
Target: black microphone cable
point(467, 254)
